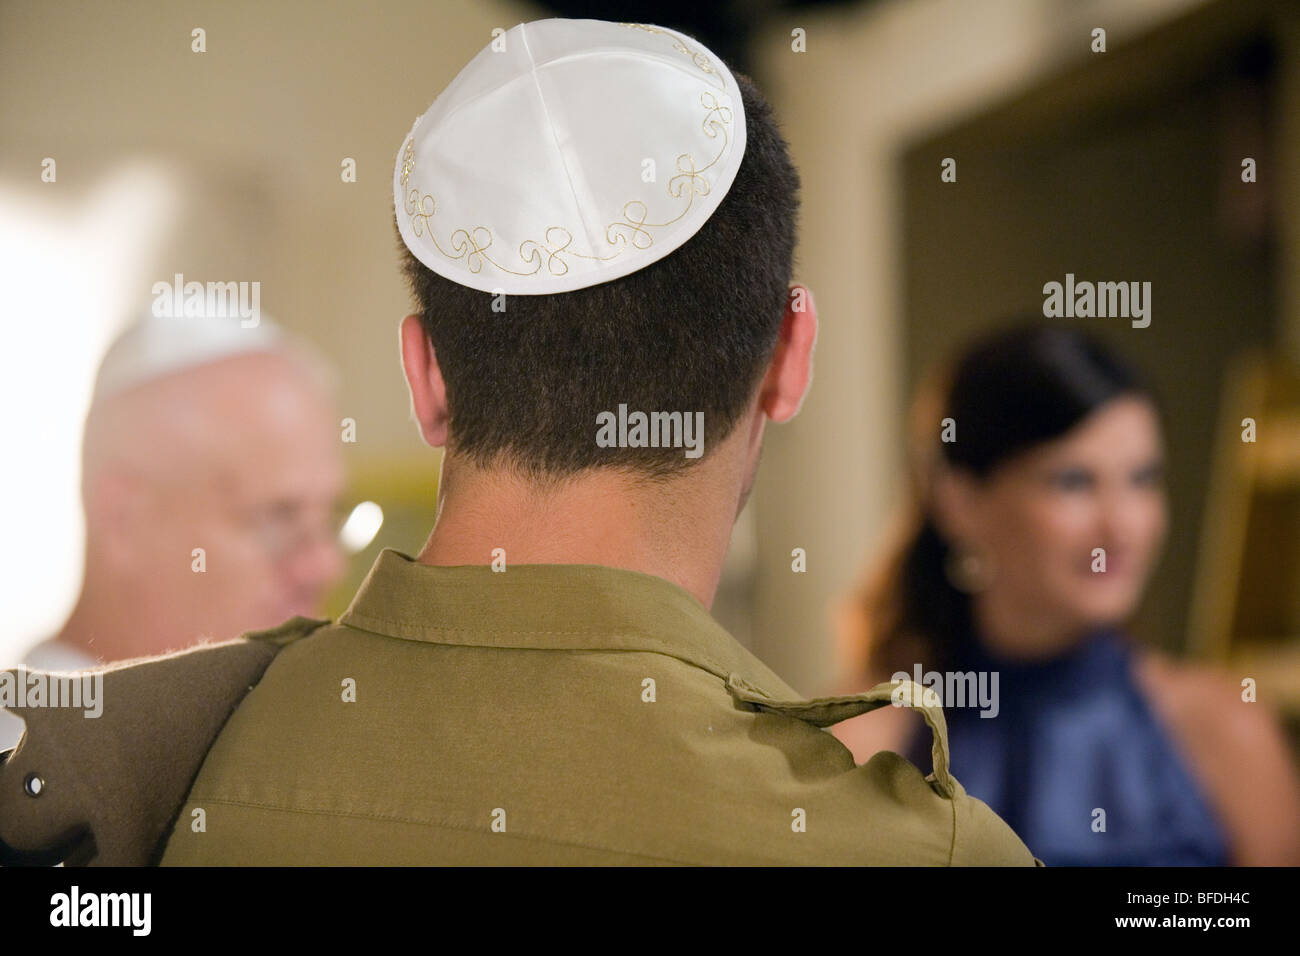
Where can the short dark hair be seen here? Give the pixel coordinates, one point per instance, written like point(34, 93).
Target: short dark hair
point(691, 332)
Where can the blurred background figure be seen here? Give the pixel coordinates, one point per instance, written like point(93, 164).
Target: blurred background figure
point(1052, 449)
point(211, 478)
point(211, 481)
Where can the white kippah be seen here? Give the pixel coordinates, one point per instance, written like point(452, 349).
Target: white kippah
point(568, 153)
point(157, 346)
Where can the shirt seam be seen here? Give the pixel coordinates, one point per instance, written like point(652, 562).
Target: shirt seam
point(706, 664)
point(406, 625)
point(397, 818)
point(559, 150)
point(952, 850)
point(534, 66)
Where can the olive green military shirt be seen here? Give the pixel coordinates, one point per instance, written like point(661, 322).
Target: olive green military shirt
point(555, 714)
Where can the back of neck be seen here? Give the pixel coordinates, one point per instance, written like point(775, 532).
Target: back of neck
point(676, 529)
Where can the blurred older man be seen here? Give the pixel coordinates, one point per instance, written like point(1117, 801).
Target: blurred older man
point(211, 479)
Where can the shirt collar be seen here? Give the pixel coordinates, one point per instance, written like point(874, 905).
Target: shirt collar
point(548, 606)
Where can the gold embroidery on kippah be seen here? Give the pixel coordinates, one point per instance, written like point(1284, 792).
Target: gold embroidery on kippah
point(416, 209)
point(530, 248)
point(698, 58)
point(408, 160)
point(473, 244)
point(716, 119)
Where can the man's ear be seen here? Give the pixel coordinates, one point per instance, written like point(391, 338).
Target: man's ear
point(424, 381)
point(790, 371)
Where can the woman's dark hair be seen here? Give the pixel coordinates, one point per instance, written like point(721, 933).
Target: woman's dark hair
point(1007, 392)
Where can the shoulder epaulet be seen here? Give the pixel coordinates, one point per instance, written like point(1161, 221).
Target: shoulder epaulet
point(291, 630)
point(109, 754)
point(828, 711)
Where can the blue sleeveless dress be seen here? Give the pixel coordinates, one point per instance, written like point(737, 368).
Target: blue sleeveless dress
point(1074, 734)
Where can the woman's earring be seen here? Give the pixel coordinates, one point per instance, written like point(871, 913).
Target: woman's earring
point(967, 571)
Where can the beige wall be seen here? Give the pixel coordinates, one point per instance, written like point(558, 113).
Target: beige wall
point(258, 126)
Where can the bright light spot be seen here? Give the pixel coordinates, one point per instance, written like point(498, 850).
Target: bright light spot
point(73, 259)
point(361, 527)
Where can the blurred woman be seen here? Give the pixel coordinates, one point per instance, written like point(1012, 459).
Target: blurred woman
point(1038, 448)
